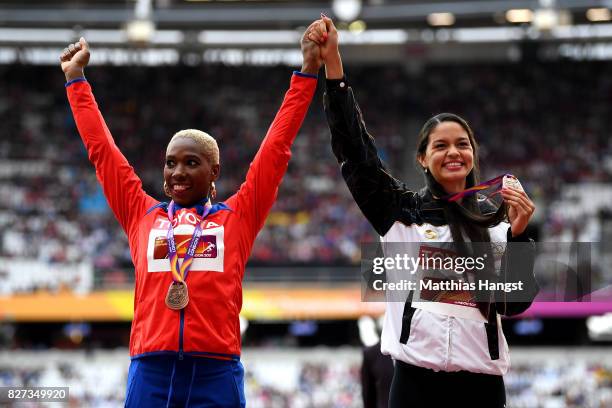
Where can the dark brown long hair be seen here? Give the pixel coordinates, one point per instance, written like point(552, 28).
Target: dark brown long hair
point(466, 217)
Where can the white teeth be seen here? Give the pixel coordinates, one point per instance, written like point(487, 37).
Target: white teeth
point(453, 164)
point(179, 187)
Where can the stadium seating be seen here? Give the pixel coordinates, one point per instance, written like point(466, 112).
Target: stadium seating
point(526, 118)
point(322, 378)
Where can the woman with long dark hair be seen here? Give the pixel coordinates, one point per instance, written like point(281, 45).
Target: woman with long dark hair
point(445, 351)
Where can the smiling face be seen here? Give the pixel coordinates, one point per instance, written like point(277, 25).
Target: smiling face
point(449, 155)
point(188, 172)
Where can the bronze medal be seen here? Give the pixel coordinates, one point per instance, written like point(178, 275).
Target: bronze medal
point(178, 296)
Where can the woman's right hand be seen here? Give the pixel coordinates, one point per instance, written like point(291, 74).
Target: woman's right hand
point(74, 59)
point(329, 48)
point(330, 52)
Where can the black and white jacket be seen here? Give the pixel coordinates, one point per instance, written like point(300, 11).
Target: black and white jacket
point(410, 333)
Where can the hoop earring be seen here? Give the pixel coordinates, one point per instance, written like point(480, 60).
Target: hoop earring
point(166, 190)
point(213, 190)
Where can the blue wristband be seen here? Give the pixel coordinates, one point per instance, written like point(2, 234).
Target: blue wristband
point(80, 79)
point(302, 74)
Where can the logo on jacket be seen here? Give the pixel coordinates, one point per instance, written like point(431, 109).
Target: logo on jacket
point(209, 254)
point(207, 247)
point(430, 234)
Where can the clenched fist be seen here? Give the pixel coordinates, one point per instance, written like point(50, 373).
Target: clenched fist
point(74, 59)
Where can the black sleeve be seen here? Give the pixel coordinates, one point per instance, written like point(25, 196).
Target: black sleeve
point(517, 266)
point(379, 196)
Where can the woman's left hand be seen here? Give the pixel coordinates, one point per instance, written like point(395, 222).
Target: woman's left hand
point(520, 209)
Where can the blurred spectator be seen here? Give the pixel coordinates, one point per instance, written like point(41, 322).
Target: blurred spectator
point(97, 379)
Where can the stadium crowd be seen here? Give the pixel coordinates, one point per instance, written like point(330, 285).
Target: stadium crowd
point(97, 380)
point(548, 123)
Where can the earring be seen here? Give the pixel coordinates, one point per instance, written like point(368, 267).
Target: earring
point(425, 169)
point(213, 190)
point(166, 190)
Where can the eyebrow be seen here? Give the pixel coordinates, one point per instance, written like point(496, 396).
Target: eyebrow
point(187, 156)
point(443, 140)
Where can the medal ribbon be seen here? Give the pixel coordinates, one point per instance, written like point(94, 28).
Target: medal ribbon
point(179, 272)
point(473, 190)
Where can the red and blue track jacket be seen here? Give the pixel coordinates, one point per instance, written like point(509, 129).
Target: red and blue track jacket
point(209, 325)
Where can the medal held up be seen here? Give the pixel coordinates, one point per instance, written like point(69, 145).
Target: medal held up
point(488, 189)
point(512, 182)
point(177, 297)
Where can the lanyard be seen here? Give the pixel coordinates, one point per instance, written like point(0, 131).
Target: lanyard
point(473, 190)
point(179, 272)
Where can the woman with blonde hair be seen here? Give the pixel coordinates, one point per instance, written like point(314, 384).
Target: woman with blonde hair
point(189, 254)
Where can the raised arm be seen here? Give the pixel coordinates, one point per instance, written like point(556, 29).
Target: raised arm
point(122, 188)
point(258, 193)
point(378, 194)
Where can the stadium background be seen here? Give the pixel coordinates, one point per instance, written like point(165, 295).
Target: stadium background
point(532, 78)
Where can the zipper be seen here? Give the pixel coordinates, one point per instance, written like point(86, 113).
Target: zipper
point(181, 327)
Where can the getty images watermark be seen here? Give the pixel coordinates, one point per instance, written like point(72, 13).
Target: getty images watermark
point(473, 272)
point(33, 395)
point(460, 265)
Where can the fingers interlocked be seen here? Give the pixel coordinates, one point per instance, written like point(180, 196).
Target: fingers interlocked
point(317, 32)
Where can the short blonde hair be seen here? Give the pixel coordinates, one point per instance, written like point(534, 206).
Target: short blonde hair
point(206, 141)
